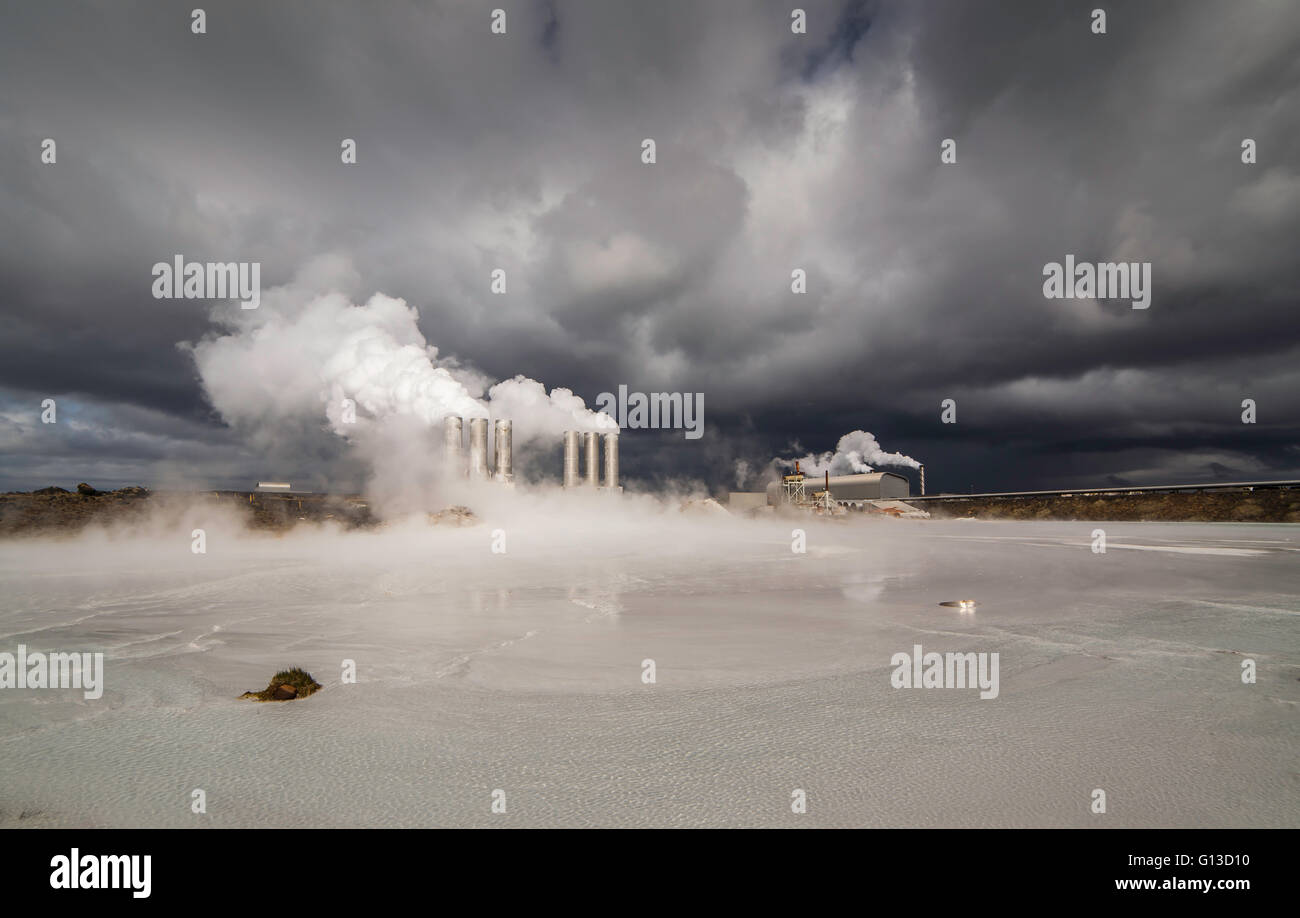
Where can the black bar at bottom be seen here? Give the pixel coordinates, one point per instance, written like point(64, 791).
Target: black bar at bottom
point(661, 870)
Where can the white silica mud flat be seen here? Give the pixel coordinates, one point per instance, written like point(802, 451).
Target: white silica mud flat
point(528, 671)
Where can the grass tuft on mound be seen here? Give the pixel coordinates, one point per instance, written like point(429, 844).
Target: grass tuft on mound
point(286, 685)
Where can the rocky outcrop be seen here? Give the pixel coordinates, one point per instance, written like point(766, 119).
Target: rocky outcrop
point(706, 506)
point(453, 516)
point(55, 510)
point(1262, 505)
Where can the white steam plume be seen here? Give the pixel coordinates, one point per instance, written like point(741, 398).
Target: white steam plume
point(298, 358)
point(536, 414)
point(741, 468)
point(857, 452)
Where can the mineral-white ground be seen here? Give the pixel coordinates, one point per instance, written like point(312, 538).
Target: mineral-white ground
point(523, 671)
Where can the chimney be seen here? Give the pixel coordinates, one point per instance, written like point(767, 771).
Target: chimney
point(452, 440)
point(571, 458)
point(478, 448)
point(923, 481)
point(611, 460)
point(591, 456)
point(504, 451)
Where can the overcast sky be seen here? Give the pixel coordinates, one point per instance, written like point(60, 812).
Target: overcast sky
point(775, 151)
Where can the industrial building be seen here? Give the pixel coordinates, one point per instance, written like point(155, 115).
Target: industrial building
point(744, 501)
point(831, 495)
point(845, 488)
point(280, 487)
point(475, 465)
point(866, 486)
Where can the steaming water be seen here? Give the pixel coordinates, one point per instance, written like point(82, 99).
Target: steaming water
point(522, 672)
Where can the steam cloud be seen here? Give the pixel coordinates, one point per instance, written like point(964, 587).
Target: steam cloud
point(856, 453)
point(741, 468)
point(297, 359)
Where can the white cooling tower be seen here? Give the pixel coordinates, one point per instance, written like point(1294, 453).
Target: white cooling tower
point(571, 458)
point(504, 458)
point(591, 456)
point(452, 440)
point(478, 448)
point(611, 460)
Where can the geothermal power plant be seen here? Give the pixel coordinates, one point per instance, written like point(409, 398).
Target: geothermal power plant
point(584, 473)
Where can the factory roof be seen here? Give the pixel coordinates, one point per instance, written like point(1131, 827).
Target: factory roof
point(856, 478)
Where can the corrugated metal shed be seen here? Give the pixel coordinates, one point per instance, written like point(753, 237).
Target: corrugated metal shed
point(867, 486)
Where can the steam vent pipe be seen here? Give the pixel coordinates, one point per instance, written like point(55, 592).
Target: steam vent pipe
point(452, 428)
point(571, 458)
point(611, 460)
point(923, 481)
point(478, 448)
point(591, 456)
point(504, 452)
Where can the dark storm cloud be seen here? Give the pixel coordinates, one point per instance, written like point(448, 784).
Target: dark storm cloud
point(775, 151)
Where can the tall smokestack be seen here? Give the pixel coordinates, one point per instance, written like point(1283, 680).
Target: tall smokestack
point(571, 458)
point(504, 451)
point(611, 460)
point(478, 448)
point(452, 440)
point(923, 481)
point(591, 456)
